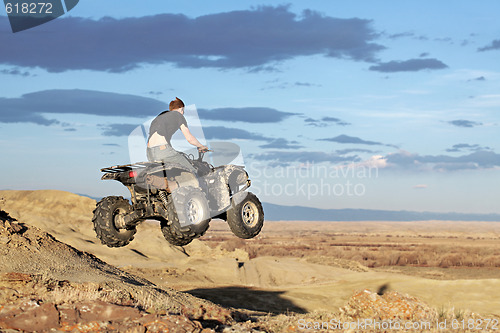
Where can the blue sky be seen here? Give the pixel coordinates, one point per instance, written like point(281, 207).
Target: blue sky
point(335, 104)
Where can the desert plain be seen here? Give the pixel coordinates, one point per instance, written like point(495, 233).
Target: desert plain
point(292, 267)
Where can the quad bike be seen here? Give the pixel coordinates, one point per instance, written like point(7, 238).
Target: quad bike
point(183, 202)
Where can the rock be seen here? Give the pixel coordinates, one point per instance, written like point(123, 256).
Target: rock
point(101, 311)
point(39, 317)
point(389, 306)
point(173, 323)
point(209, 313)
point(15, 277)
point(68, 315)
point(4, 216)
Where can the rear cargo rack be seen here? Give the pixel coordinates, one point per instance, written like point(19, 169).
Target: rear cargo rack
point(129, 167)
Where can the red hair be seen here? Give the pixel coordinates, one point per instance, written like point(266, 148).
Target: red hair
point(176, 104)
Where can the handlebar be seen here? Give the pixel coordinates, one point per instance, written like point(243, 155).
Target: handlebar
point(201, 153)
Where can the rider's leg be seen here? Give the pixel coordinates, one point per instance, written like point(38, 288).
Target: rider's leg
point(167, 154)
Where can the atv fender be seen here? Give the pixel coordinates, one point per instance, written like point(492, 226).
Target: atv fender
point(235, 177)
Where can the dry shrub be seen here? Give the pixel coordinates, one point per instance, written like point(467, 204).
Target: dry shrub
point(393, 259)
point(492, 261)
point(450, 260)
point(410, 258)
point(233, 244)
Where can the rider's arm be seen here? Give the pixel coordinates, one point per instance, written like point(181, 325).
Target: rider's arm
point(190, 137)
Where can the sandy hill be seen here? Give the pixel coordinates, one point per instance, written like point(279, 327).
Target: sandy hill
point(29, 250)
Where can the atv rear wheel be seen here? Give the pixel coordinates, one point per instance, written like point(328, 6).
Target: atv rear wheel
point(246, 216)
point(188, 215)
point(106, 220)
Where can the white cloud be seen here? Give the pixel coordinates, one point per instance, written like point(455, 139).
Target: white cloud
point(375, 162)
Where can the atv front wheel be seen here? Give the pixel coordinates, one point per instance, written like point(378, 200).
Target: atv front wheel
point(106, 220)
point(172, 237)
point(246, 216)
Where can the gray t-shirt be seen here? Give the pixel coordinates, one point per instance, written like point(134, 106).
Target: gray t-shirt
point(166, 124)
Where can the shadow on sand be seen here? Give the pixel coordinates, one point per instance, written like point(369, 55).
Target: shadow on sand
point(248, 298)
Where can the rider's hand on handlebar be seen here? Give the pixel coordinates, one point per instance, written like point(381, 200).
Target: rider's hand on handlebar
point(203, 149)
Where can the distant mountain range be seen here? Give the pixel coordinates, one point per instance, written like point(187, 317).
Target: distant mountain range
point(297, 213)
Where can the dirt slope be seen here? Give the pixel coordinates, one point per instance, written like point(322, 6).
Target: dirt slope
point(46, 285)
point(29, 250)
point(68, 217)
